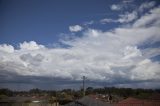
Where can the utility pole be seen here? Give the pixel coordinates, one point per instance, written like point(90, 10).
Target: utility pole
point(84, 85)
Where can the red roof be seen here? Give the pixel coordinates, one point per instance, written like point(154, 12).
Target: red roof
point(131, 100)
point(137, 102)
point(155, 96)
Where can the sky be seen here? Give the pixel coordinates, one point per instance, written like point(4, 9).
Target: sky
point(51, 44)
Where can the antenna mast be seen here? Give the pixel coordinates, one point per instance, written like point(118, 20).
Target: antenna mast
point(84, 85)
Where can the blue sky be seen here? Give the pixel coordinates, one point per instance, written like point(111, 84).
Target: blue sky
point(43, 21)
point(111, 42)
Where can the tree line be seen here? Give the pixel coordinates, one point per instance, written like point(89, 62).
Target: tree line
point(71, 93)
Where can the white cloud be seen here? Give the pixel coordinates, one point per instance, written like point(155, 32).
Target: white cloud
point(7, 48)
point(75, 28)
point(89, 23)
point(127, 1)
point(107, 20)
point(151, 18)
point(121, 5)
point(151, 52)
point(131, 52)
point(123, 18)
point(116, 7)
point(128, 17)
point(32, 45)
point(146, 5)
point(151, 70)
point(108, 56)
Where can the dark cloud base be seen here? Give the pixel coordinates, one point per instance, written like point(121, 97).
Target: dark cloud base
point(18, 82)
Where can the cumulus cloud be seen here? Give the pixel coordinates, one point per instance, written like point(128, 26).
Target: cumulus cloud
point(75, 28)
point(32, 45)
point(32, 60)
point(106, 56)
point(7, 48)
